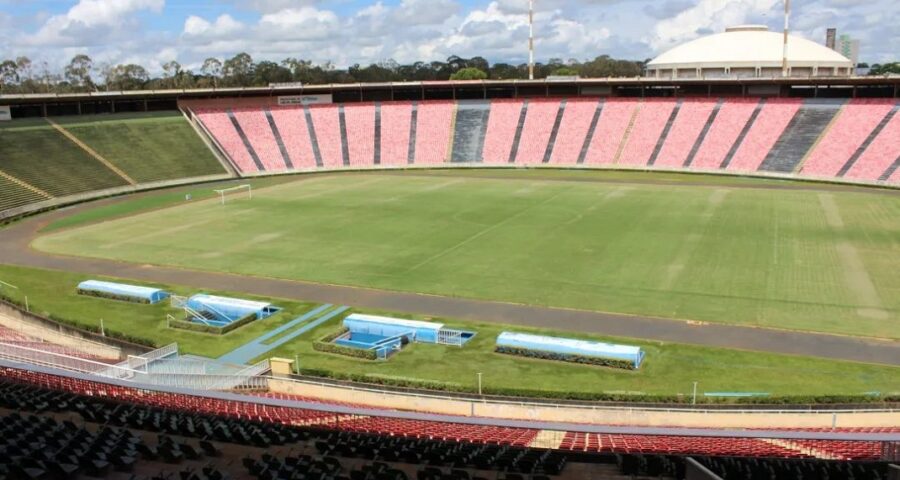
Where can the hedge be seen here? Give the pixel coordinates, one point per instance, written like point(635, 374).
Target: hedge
point(565, 357)
point(325, 344)
point(599, 397)
point(199, 327)
point(112, 296)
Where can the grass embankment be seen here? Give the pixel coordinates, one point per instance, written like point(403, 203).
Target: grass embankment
point(804, 259)
point(669, 369)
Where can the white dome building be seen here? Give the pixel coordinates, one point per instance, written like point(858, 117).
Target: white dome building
point(748, 51)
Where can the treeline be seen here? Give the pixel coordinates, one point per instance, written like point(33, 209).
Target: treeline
point(81, 74)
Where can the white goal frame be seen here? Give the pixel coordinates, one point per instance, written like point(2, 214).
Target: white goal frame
point(223, 192)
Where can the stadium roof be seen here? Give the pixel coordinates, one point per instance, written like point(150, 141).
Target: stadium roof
point(748, 46)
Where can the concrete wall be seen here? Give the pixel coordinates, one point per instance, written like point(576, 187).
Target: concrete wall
point(41, 327)
point(597, 415)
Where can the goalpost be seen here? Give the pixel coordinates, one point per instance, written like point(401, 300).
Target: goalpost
point(235, 191)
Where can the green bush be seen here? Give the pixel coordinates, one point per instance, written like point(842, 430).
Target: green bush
point(325, 344)
point(565, 357)
point(199, 327)
point(112, 296)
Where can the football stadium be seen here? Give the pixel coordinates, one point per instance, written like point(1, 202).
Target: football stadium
point(691, 274)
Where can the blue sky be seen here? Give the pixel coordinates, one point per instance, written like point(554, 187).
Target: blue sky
point(344, 32)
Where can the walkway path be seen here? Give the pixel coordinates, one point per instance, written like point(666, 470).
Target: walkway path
point(14, 241)
point(259, 346)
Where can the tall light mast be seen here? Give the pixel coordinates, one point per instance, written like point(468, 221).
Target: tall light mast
point(784, 53)
point(531, 39)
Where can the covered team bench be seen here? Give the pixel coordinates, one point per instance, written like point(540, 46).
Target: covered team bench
point(121, 291)
point(570, 350)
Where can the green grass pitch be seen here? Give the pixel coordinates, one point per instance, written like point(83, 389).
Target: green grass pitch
point(704, 248)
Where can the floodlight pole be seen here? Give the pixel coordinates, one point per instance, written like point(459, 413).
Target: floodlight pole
point(479, 383)
point(531, 39)
point(694, 399)
point(784, 52)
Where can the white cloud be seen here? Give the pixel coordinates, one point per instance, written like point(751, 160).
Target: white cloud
point(196, 27)
point(90, 22)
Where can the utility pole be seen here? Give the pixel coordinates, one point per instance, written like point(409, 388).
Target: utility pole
point(784, 52)
point(531, 39)
point(479, 383)
point(694, 400)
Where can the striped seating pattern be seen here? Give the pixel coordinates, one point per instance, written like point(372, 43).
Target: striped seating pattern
point(292, 126)
point(855, 122)
point(732, 117)
point(686, 128)
point(774, 117)
point(536, 132)
point(573, 129)
point(396, 118)
point(501, 130)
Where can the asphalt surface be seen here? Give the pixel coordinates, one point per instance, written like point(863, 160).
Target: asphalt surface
point(15, 250)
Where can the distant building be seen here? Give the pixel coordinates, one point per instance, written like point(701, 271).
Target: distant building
point(830, 36)
point(749, 51)
point(849, 48)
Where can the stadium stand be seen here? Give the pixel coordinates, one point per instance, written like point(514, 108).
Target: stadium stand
point(773, 118)
point(42, 157)
point(648, 126)
point(395, 122)
point(573, 130)
point(881, 153)
point(615, 118)
point(9, 337)
point(823, 139)
point(851, 128)
point(148, 148)
point(433, 127)
point(691, 118)
point(501, 130)
point(539, 121)
point(220, 126)
point(256, 127)
point(326, 125)
point(733, 115)
point(14, 194)
point(291, 123)
point(360, 119)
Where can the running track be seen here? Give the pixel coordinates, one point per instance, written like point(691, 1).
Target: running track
point(14, 249)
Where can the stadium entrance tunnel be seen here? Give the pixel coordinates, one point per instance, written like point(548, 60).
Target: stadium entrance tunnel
point(386, 336)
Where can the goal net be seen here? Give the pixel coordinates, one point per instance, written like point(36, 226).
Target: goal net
point(235, 193)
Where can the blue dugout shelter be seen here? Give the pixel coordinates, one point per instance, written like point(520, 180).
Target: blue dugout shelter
point(572, 346)
point(225, 310)
point(138, 293)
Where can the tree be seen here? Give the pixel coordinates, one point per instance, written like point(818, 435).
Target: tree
point(78, 72)
point(505, 71)
point(565, 72)
point(237, 71)
point(212, 69)
point(885, 69)
point(125, 77)
point(9, 74)
point(469, 73)
point(267, 72)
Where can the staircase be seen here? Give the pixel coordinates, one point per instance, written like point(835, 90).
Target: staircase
point(246, 141)
point(628, 129)
point(702, 136)
point(411, 157)
point(590, 133)
point(799, 137)
point(284, 154)
point(345, 149)
point(521, 125)
point(665, 132)
point(740, 139)
point(555, 132)
point(317, 153)
point(377, 146)
point(468, 136)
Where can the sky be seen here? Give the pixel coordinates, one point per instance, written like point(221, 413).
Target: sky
point(347, 32)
